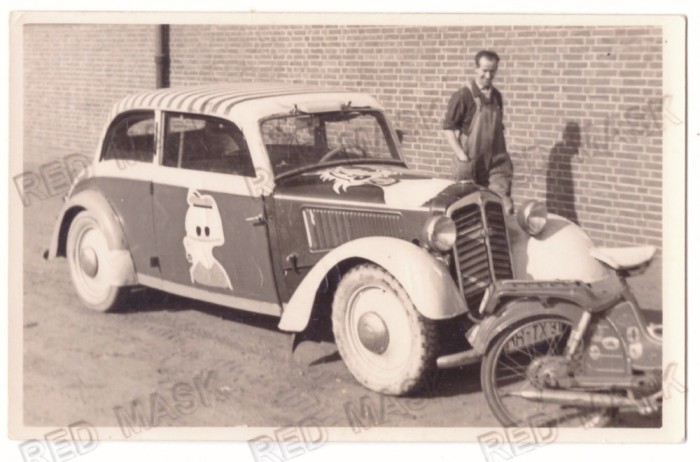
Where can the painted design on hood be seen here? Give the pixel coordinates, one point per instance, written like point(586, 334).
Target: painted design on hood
point(204, 231)
point(398, 192)
point(347, 176)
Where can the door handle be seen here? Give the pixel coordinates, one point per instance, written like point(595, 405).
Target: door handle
point(293, 259)
point(257, 220)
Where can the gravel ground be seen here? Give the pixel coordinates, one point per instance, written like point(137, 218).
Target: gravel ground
point(82, 365)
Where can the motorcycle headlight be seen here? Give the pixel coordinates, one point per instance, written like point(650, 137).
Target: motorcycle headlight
point(440, 233)
point(532, 217)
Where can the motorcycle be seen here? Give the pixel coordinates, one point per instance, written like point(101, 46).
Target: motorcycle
point(568, 353)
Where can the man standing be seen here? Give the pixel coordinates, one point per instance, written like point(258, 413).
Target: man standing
point(473, 127)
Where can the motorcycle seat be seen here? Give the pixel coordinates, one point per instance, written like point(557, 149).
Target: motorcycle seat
point(624, 258)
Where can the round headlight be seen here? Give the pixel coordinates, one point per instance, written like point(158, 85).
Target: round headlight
point(440, 233)
point(532, 217)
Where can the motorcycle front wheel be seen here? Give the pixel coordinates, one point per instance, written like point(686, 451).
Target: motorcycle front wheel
point(507, 377)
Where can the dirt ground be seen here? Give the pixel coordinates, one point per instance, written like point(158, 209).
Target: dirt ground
point(197, 364)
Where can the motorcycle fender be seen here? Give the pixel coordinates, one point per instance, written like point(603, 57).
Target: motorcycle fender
point(122, 266)
point(426, 280)
point(481, 335)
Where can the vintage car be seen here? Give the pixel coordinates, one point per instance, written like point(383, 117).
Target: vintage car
point(296, 202)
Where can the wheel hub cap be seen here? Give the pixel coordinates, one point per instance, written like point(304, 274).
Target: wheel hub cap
point(373, 332)
point(88, 261)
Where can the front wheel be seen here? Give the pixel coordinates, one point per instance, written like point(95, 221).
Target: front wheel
point(384, 341)
point(520, 363)
point(88, 260)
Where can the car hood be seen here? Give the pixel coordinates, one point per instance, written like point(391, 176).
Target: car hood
point(392, 186)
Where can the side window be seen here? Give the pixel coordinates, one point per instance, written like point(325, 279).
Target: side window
point(131, 138)
point(204, 143)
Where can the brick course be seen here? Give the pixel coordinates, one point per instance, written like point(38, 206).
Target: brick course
point(599, 85)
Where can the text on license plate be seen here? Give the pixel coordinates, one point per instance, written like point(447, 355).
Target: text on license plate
point(534, 333)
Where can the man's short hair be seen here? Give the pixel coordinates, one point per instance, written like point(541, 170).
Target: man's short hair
point(488, 54)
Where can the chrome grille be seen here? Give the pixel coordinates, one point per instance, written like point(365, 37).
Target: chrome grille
point(328, 228)
point(500, 254)
point(481, 252)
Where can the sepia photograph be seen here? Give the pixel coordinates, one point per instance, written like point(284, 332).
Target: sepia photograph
point(295, 229)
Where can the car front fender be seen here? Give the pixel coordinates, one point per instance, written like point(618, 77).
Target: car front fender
point(426, 280)
point(562, 251)
point(122, 267)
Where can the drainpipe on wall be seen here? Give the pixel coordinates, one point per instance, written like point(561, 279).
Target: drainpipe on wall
point(162, 56)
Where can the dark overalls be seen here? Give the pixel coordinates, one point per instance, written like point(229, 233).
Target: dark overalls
point(485, 145)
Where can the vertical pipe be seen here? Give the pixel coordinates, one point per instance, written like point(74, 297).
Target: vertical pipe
point(577, 334)
point(162, 56)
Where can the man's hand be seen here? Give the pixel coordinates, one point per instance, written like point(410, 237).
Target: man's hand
point(464, 170)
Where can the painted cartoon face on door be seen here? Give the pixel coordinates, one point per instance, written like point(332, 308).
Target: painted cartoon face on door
point(204, 231)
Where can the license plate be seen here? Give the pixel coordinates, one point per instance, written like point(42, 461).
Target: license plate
point(534, 333)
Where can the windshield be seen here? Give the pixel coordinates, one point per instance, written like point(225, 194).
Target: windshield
point(303, 142)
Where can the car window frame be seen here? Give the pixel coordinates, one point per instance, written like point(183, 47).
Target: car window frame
point(106, 139)
point(386, 127)
point(162, 135)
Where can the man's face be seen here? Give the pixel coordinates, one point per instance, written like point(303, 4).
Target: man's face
point(486, 71)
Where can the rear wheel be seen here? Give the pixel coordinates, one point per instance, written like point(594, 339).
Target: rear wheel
point(88, 260)
point(385, 342)
point(515, 365)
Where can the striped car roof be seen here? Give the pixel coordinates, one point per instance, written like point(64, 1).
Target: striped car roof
point(211, 99)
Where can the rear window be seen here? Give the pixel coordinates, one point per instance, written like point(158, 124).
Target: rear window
point(131, 138)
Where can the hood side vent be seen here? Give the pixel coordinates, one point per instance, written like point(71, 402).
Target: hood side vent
point(329, 228)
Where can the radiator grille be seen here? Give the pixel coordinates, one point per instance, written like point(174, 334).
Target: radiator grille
point(327, 228)
point(500, 254)
point(481, 252)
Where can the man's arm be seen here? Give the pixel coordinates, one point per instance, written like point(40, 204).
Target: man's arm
point(452, 124)
point(452, 137)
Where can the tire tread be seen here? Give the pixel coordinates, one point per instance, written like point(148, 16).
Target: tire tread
point(427, 330)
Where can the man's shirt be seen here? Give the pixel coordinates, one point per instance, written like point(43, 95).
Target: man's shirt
point(461, 108)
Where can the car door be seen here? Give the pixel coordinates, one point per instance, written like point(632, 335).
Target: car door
point(124, 175)
point(211, 233)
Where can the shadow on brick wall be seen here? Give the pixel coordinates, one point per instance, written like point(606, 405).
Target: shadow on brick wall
point(560, 179)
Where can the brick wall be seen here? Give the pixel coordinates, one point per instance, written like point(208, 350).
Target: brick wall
point(73, 74)
point(583, 105)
